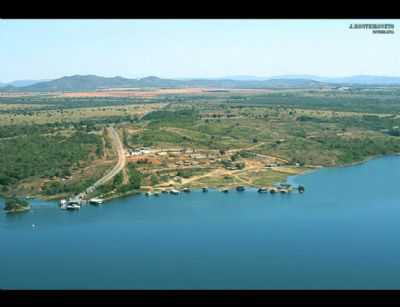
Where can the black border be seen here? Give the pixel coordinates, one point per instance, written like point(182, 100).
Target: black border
point(199, 10)
point(320, 298)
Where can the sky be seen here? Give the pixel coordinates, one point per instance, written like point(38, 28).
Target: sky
point(49, 49)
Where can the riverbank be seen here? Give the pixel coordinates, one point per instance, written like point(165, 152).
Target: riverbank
point(218, 183)
point(18, 210)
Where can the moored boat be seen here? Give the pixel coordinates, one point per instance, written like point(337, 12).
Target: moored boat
point(174, 192)
point(63, 203)
point(72, 206)
point(273, 190)
point(96, 201)
point(240, 188)
point(205, 189)
point(262, 190)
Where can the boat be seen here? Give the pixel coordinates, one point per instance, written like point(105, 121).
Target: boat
point(273, 190)
point(240, 188)
point(301, 189)
point(186, 190)
point(148, 194)
point(286, 186)
point(72, 206)
point(156, 194)
point(175, 192)
point(63, 204)
point(224, 190)
point(205, 189)
point(262, 190)
point(96, 201)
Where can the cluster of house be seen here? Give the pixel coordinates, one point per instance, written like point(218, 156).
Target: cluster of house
point(138, 152)
point(190, 153)
point(297, 164)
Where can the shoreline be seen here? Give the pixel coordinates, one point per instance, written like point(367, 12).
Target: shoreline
point(19, 210)
point(288, 179)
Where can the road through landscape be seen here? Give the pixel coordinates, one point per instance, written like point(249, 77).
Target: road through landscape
point(119, 148)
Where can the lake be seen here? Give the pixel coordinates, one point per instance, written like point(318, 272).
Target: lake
point(342, 233)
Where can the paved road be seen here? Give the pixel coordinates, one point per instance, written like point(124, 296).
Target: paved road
point(117, 145)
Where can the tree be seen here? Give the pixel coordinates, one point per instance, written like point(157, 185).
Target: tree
point(135, 178)
point(118, 179)
point(15, 204)
point(154, 179)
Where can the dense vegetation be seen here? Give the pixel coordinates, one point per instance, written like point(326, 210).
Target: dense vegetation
point(15, 204)
point(39, 155)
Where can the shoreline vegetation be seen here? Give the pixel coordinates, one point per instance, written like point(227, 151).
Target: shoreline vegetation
point(16, 205)
point(54, 146)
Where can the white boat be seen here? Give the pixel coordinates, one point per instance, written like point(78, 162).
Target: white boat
point(96, 201)
point(72, 206)
point(148, 194)
point(63, 204)
point(175, 192)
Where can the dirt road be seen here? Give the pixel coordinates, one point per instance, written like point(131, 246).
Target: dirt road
point(119, 148)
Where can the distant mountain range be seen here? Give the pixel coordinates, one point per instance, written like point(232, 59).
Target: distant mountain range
point(359, 79)
point(21, 83)
point(93, 82)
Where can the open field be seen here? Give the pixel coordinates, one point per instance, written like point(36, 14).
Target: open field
point(132, 92)
point(33, 116)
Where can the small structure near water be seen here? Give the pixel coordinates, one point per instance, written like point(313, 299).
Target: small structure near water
point(73, 203)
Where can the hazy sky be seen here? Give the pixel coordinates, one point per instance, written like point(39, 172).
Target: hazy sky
point(46, 49)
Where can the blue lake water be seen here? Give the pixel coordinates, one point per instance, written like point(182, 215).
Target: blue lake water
point(342, 233)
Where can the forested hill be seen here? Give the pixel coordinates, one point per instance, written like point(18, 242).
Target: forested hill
point(92, 82)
